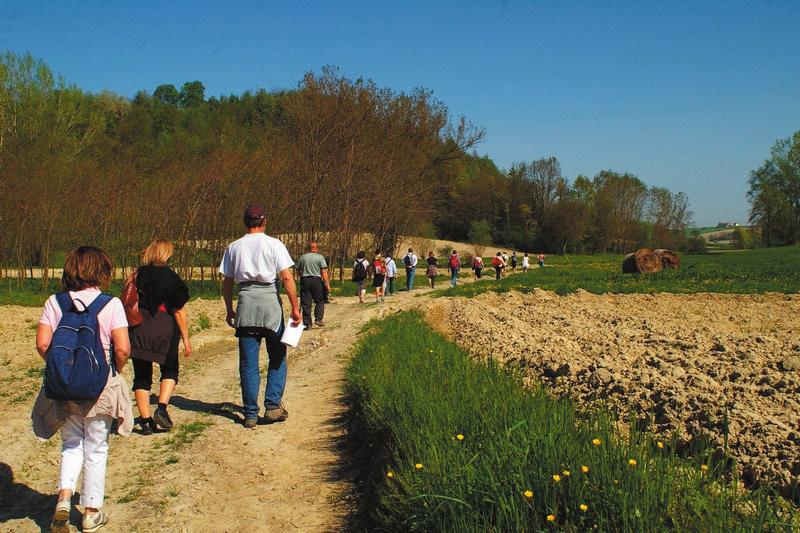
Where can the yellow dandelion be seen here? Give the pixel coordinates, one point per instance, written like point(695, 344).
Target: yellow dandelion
point(584, 507)
point(556, 478)
point(390, 474)
point(704, 468)
point(660, 445)
point(567, 473)
point(597, 442)
point(616, 482)
point(632, 462)
point(528, 494)
point(585, 469)
point(551, 518)
point(419, 466)
point(460, 436)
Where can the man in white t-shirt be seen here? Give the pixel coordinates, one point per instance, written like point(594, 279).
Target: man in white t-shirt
point(256, 262)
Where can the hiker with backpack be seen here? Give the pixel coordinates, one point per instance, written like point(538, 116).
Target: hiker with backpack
point(498, 264)
point(477, 266)
point(257, 263)
point(378, 276)
point(410, 262)
point(360, 274)
point(455, 265)
point(514, 262)
point(83, 338)
point(432, 271)
point(163, 323)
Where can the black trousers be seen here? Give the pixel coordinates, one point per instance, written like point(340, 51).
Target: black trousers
point(312, 291)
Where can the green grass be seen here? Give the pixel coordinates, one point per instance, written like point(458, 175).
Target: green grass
point(735, 271)
point(411, 393)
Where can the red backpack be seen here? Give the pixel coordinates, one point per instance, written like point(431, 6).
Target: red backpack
point(454, 262)
point(496, 261)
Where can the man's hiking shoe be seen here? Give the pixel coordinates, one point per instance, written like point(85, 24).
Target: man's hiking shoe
point(147, 426)
point(308, 326)
point(161, 417)
point(319, 323)
point(94, 522)
point(60, 522)
point(250, 423)
point(277, 414)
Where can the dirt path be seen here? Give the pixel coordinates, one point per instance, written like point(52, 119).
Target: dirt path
point(209, 473)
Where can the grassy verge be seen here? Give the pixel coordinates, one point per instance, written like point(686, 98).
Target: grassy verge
point(447, 444)
point(739, 272)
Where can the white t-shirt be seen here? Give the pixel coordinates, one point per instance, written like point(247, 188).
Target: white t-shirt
point(110, 318)
point(525, 261)
point(255, 257)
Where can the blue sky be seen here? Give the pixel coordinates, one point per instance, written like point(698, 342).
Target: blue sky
point(687, 95)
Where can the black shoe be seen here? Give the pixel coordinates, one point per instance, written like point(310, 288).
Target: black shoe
point(147, 426)
point(161, 417)
point(307, 326)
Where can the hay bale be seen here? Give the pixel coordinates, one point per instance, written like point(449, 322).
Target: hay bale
point(669, 259)
point(642, 260)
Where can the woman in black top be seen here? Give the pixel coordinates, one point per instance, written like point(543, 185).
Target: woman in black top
point(432, 271)
point(162, 297)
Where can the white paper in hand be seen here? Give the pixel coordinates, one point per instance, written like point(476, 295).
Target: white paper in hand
point(291, 335)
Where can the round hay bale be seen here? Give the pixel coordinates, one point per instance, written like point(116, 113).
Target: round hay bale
point(668, 258)
point(642, 260)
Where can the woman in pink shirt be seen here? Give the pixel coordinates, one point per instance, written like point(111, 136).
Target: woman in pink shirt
point(85, 425)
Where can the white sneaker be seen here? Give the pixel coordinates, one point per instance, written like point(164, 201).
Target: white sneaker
point(60, 522)
point(94, 522)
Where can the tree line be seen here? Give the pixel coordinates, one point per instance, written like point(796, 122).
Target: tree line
point(774, 194)
point(337, 160)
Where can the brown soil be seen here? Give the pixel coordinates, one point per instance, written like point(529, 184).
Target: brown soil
point(685, 359)
point(281, 477)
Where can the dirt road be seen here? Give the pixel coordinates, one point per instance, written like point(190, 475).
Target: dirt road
point(209, 473)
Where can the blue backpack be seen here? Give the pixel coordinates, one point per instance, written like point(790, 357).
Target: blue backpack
point(77, 367)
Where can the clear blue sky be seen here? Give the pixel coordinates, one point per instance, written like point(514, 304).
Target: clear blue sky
point(687, 95)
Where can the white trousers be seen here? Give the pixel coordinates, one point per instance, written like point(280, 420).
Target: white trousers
point(85, 446)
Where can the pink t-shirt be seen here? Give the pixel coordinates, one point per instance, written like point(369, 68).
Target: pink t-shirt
point(110, 318)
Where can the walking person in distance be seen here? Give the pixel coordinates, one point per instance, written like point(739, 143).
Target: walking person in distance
point(498, 264)
point(314, 283)
point(514, 262)
point(162, 299)
point(256, 263)
point(526, 262)
point(454, 265)
point(432, 270)
point(391, 273)
point(360, 274)
point(378, 275)
point(477, 266)
point(84, 405)
point(410, 262)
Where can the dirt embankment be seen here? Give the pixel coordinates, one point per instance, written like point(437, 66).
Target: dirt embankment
point(684, 359)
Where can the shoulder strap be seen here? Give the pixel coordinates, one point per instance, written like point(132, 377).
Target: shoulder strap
point(99, 303)
point(64, 301)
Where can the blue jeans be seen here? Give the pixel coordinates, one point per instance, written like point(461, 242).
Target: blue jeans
point(453, 277)
point(410, 278)
point(250, 375)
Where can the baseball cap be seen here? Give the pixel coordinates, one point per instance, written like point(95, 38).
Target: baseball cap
point(255, 212)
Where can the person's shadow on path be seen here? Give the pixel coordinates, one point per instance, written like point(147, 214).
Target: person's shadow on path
point(224, 409)
point(18, 501)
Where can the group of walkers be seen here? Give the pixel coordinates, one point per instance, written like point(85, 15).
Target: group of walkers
point(383, 270)
point(86, 338)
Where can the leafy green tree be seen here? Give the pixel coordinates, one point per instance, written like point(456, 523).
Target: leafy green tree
point(192, 94)
point(168, 94)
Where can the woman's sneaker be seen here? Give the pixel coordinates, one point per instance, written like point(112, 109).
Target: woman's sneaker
point(60, 522)
point(161, 417)
point(94, 522)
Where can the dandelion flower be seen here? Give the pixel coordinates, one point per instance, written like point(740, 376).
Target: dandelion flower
point(419, 466)
point(390, 474)
point(584, 507)
point(704, 468)
point(632, 462)
point(528, 494)
point(551, 518)
point(566, 473)
point(585, 469)
point(597, 442)
point(660, 445)
point(556, 478)
point(460, 436)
